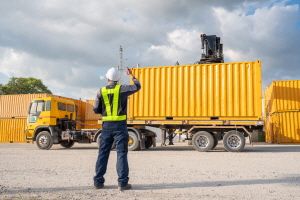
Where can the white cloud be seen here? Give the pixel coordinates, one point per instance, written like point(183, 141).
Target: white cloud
point(70, 44)
point(270, 34)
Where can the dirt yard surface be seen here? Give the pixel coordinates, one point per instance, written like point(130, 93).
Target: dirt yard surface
point(262, 171)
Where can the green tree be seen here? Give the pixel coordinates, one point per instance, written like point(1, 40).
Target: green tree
point(24, 86)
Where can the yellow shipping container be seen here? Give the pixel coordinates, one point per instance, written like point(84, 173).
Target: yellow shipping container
point(12, 130)
point(89, 113)
point(283, 127)
point(282, 96)
point(17, 105)
point(223, 91)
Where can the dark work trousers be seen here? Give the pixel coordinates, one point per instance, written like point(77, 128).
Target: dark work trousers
point(113, 131)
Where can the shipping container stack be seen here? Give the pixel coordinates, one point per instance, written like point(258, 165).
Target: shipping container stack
point(282, 112)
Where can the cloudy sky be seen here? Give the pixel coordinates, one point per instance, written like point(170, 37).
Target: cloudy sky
point(70, 44)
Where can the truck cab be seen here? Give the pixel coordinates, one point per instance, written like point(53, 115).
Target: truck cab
point(45, 112)
point(52, 120)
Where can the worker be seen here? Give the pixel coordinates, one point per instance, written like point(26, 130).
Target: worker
point(111, 103)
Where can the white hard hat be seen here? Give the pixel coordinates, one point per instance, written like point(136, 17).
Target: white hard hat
point(113, 74)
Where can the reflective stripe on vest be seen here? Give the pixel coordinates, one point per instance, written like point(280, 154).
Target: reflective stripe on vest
point(112, 115)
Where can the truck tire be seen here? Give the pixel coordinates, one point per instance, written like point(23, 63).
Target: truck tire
point(67, 144)
point(148, 142)
point(44, 140)
point(234, 141)
point(133, 142)
point(215, 140)
point(202, 141)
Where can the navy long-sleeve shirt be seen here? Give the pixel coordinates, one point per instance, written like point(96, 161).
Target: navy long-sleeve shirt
point(125, 91)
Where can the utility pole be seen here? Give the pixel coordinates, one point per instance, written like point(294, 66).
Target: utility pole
point(120, 67)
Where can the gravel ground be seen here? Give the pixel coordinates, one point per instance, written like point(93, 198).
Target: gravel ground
point(262, 171)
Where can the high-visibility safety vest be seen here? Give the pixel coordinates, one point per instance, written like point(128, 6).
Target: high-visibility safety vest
point(112, 115)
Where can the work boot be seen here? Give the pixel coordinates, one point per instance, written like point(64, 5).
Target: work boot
point(126, 187)
point(99, 187)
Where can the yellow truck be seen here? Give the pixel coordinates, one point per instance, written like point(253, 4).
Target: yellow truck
point(52, 120)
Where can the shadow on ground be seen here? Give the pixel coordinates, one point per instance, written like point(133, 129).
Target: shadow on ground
point(291, 180)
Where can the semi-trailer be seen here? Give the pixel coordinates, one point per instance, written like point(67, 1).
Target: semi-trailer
point(207, 102)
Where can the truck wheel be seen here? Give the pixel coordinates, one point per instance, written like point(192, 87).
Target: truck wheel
point(133, 142)
point(44, 140)
point(202, 141)
point(215, 140)
point(234, 141)
point(67, 144)
point(148, 142)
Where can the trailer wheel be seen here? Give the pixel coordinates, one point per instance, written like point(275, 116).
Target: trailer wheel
point(148, 142)
point(234, 141)
point(44, 140)
point(202, 141)
point(67, 144)
point(133, 142)
point(215, 140)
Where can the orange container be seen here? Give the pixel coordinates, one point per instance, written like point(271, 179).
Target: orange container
point(91, 124)
point(89, 112)
point(12, 130)
point(17, 105)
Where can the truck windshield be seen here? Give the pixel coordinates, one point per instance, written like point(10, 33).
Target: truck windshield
point(35, 110)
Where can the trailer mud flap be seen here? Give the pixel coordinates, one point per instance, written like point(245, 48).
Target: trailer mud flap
point(142, 144)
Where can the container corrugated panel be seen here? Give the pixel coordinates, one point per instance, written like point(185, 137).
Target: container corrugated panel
point(223, 90)
point(283, 128)
point(89, 112)
point(12, 130)
point(282, 96)
point(16, 105)
point(92, 124)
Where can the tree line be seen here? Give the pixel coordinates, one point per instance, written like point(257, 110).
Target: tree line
point(23, 86)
